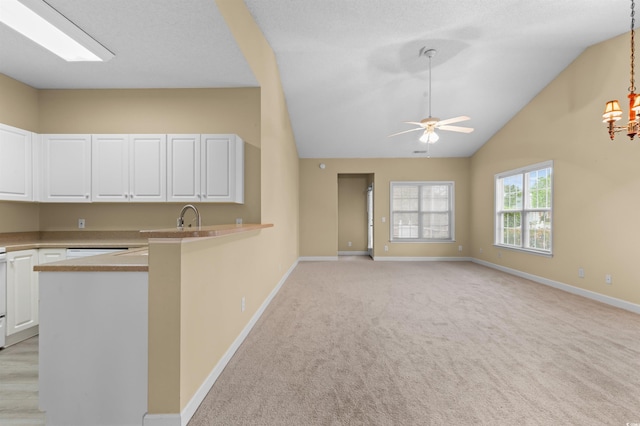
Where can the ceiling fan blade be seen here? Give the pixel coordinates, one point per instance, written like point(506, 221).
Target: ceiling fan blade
point(457, 129)
point(417, 123)
point(453, 120)
point(406, 131)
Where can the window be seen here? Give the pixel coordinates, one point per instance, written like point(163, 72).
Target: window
point(422, 211)
point(523, 208)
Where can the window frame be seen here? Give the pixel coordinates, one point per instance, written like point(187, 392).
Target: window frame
point(420, 212)
point(524, 208)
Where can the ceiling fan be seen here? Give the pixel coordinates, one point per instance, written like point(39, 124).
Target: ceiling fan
point(430, 124)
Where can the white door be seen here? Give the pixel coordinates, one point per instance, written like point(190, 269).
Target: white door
point(22, 290)
point(183, 168)
point(15, 164)
point(148, 168)
point(110, 168)
point(66, 168)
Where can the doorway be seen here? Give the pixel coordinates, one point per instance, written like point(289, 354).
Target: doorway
point(355, 214)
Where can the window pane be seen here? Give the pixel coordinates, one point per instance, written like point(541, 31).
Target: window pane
point(405, 225)
point(435, 198)
point(539, 227)
point(405, 198)
point(540, 188)
point(512, 192)
point(511, 229)
point(436, 226)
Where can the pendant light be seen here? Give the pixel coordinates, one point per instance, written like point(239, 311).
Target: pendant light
point(612, 110)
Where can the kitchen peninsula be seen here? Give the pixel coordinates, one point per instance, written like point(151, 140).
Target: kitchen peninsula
point(111, 324)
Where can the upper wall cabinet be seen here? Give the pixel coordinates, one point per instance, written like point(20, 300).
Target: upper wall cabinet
point(16, 164)
point(222, 168)
point(66, 168)
point(128, 168)
point(205, 168)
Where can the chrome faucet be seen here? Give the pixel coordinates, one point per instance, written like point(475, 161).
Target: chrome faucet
point(183, 211)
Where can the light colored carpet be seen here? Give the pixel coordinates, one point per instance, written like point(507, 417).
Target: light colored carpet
point(429, 343)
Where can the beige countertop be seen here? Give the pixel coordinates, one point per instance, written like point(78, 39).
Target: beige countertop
point(72, 239)
point(136, 259)
point(204, 231)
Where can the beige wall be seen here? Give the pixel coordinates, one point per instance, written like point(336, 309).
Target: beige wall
point(215, 274)
point(18, 108)
point(319, 203)
point(154, 111)
point(18, 104)
point(133, 111)
point(352, 212)
point(596, 181)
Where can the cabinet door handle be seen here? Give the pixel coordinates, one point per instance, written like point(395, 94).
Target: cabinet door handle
point(11, 261)
point(86, 196)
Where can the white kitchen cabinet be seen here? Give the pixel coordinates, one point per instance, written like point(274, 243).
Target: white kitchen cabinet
point(128, 168)
point(205, 168)
point(47, 255)
point(109, 167)
point(16, 164)
point(22, 290)
point(183, 168)
point(66, 168)
point(148, 168)
point(222, 168)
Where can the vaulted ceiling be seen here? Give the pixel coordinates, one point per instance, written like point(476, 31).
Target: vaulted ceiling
point(350, 69)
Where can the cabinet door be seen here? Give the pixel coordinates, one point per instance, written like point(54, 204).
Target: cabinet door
point(222, 168)
point(183, 168)
point(66, 168)
point(15, 164)
point(22, 291)
point(110, 168)
point(148, 168)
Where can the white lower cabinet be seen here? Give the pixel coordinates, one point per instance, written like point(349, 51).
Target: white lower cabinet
point(22, 290)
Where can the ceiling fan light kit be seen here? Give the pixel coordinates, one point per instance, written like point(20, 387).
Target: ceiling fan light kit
point(430, 124)
point(612, 110)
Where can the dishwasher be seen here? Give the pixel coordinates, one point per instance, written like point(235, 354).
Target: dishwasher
point(75, 253)
point(3, 296)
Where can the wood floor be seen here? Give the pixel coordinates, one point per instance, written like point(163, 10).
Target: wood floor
point(19, 384)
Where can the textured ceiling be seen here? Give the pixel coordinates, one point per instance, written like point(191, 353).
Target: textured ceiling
point(350, 68)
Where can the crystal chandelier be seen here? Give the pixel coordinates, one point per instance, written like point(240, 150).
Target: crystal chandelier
point(612, 110)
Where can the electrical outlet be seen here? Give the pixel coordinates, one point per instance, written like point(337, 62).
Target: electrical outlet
point(242, 305)
point(384, 219)
point(499, 254)
point(349, 244)
point(580, 272)
point(81, 223)
point(238, 221)
point(386, 247)
point(607, 279)
point(459, 248)
point(480, 249)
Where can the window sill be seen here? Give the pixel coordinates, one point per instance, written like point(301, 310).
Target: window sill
point(524, 250)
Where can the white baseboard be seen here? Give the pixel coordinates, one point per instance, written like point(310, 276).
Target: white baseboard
point(421, 259)
point(317, 258)
point(189, 410)
point(161, 420)
point(353, 253)
point(618, 303)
